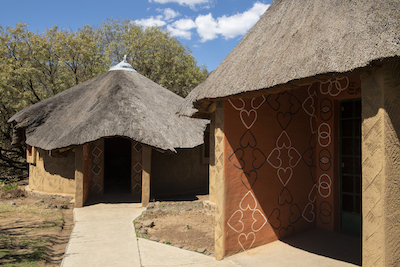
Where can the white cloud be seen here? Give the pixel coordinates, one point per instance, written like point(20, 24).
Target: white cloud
point(152, 21)
point(184, 24)
point(229, 27)
point(181, 28)
point(168, 13)
point(207, 27)
point(190, 3)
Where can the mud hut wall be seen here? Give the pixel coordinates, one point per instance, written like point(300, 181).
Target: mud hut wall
point(137, 167)
point(180, 173)
point(327, 177)
point(217, 175)
point(51, 174)
point(95, 169)
point(87, 164)
point(273, 150)
point(381, 166)
point(146, 175)
point(211, 169)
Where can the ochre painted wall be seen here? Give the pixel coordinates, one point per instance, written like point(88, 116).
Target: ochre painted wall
point(277, 151)
point(52, 175)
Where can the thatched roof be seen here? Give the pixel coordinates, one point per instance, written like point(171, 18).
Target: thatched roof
point(295, 40)
point(116, 103)
point(186, 108)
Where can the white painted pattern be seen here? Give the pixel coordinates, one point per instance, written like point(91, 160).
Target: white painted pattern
point(309, 107)
point(248, 114)
point(263, 221)
point(308, 210)
point(324, 133)
point(310, 195)
point(253, 202)
point(248, 117)
point(325, 183)
point(259, 105)
point(334, 87)
point(283, 172)
point(284, 168)
point(236, 224)
point(245, 238)
point(236, 107)
point(231, 221)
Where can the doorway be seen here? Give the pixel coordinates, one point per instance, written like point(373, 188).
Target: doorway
point(350, 166)
point(117, 165)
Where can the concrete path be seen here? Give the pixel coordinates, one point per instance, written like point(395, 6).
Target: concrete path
point(104, 235)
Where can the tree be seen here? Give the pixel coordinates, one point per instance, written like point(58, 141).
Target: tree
point(35, 66)
point(154, 54)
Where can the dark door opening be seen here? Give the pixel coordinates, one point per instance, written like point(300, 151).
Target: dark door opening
point(117, 165)
point(350, 166)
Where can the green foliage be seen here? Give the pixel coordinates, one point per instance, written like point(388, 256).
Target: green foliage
point(153, 53)
point(35, 66)
point(8, 186)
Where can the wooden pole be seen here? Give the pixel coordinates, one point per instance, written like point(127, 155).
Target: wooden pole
point(146, 174)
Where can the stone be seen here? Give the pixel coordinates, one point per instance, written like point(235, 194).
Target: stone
point(39, 201)
point(48, 206)
point(178, 246)
point(207, 253)
point(153, 238)
point(138, 225)
point(201, 250)
point(142, 231)
point(62, 206)
point(148, 223)
point(186, 248)
point(151, 206)
point(12, 203)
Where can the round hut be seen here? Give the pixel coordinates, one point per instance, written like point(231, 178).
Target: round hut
point(304, 116)
point(97, 138)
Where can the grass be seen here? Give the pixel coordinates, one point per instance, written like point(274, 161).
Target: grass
point(10, 190)
point(8, 186)
point(25, 239)
point(22, 251)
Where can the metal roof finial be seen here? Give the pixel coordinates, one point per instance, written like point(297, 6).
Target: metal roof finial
point(123, 65)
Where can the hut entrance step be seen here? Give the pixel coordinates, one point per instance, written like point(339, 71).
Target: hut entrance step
point(117, 165)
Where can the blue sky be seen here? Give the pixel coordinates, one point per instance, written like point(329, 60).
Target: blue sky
point(210, 28)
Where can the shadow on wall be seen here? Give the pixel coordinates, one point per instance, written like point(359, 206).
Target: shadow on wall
point(179, 176)
point(62, 164)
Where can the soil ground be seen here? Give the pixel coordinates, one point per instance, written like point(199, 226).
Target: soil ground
point(35, 231)
point(181, 224)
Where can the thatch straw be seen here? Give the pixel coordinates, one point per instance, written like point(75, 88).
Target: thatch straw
point(116, 103)
point(295, 40)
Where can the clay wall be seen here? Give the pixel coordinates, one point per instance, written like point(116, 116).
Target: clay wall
point(180, 173)
point(280, 163)
point(95, 167)
point(51, 174)
point(381, 166)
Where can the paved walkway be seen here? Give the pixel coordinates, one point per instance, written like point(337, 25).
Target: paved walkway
point(104, 235)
